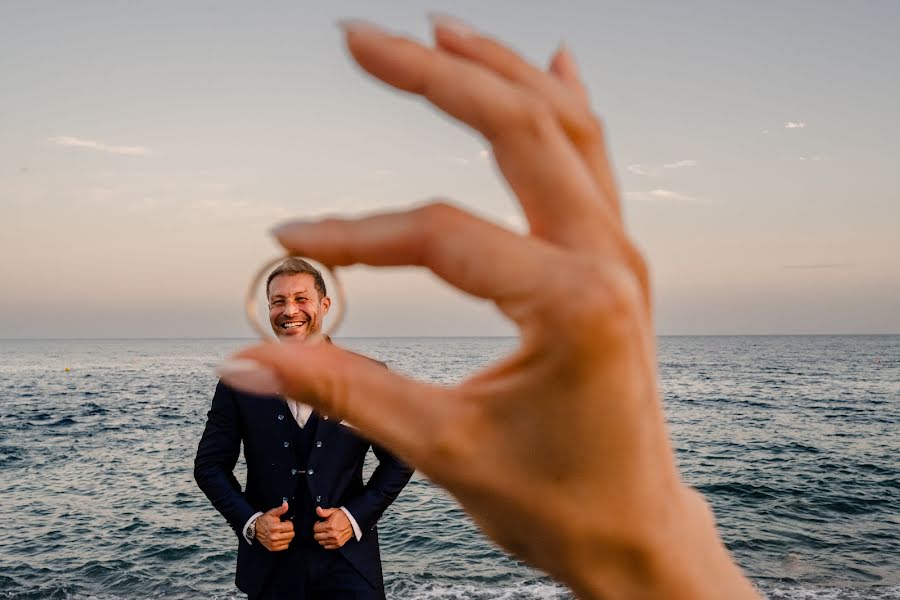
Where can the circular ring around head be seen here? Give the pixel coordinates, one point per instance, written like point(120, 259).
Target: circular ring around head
point(250, 304)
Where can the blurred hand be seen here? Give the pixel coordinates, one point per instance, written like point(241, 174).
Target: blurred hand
point(273, 533)
point(571, 422)
point(334, 531)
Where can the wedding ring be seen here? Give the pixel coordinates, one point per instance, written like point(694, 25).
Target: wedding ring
point(336, 293)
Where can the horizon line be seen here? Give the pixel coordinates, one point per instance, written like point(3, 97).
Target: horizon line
point(426, 337)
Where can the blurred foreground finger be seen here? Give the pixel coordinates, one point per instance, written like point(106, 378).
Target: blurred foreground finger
point(390, 409)
point(562, 91)
point(477, 257)
point(556, 188)
point(563, 66)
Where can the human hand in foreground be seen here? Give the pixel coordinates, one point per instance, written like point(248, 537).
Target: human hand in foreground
point(273, 533)
point(334, 531)
point(571, 422)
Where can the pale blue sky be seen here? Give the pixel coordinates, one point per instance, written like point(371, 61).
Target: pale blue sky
point(145, 149)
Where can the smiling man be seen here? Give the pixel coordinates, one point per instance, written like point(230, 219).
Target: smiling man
point(305, 521)
point(297, 300)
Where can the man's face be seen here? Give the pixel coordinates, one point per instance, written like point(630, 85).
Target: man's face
point(295, 309)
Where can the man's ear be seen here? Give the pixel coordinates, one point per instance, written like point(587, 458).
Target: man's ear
point(326, 304)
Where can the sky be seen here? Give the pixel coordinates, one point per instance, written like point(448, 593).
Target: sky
point(147, 148)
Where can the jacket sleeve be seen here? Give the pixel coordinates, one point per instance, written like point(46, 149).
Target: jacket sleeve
point(216, 457)
point(390, 476)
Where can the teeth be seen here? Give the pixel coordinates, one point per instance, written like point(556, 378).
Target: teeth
point(293, 325)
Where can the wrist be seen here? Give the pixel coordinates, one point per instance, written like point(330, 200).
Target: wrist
point(250, 528)
point(680, 558)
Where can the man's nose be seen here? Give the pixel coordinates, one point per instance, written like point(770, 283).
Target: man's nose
point(291, 308)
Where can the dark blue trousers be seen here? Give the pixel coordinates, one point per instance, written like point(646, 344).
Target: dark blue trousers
point(316, 574)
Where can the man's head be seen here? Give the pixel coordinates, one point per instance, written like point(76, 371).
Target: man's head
point(297, 299)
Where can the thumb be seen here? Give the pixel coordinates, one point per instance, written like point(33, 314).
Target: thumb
point(389, 409)
point(279, 510)
point(325, 512)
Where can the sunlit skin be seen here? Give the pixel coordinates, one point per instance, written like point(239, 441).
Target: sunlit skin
point(296, 310)
point(560, 451)
point(296, 313)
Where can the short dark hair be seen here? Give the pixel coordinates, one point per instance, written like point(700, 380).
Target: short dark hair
point(297, 266)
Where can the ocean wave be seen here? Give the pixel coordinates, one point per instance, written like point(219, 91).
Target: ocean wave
point(463, 591)
point(806, 592)
point(526, 591)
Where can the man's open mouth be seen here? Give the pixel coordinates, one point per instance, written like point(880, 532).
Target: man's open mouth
point(288, 325)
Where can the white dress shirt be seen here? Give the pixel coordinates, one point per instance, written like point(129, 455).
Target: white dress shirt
point(301, 414)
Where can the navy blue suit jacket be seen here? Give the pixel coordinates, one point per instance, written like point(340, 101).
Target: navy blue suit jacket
point(262, 424)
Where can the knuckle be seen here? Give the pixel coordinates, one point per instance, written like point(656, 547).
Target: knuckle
point(534, 115)
point(639, 266)
point(435, 216)
point(591, 129)
point(437, 223)
point(608, 299)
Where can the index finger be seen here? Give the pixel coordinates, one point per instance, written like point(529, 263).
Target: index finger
point(320, 526)
point(478, 257)
point(282, 527)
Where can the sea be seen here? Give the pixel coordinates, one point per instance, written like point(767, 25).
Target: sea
point(794, 440)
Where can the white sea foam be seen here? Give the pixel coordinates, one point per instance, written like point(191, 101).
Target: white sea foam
point(524, 591)
point(808, 592)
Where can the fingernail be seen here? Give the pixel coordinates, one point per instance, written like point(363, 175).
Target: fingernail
point(249, 376)
point(361, 27)
point(291, 228)
point(567, 55)
point(451, 24)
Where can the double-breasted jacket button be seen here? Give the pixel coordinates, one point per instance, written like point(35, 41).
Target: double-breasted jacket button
point(325, 418)
point(310, 471)
point(293, 471)
point(281, 417)
point(318, 444)
point(286, 444)
point(318, 498)
point(284, 499)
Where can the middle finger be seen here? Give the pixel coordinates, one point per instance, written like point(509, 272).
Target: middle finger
point(570, 108)
point(558, 193)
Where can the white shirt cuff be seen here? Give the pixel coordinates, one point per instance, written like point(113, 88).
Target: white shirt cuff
point(244, 530)
point(356, 530)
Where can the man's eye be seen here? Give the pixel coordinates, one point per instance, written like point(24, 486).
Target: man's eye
point(299, 299)
point(278, 303)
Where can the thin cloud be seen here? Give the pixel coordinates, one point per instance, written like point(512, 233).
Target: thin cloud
point(638, 170)
point(680, 164)
point(818, 266)
point(456, 160)
point(65, 140)
point(651, 171)
point(671, 195)
point(794, 125)
point(660, 194)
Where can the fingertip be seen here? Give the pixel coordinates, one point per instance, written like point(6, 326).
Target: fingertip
point(442, 22)
point(361, 28)
point(249, 375)
point(563, 64)
point(289, 233)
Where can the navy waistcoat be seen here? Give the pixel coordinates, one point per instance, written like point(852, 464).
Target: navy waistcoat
point(301, 508)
